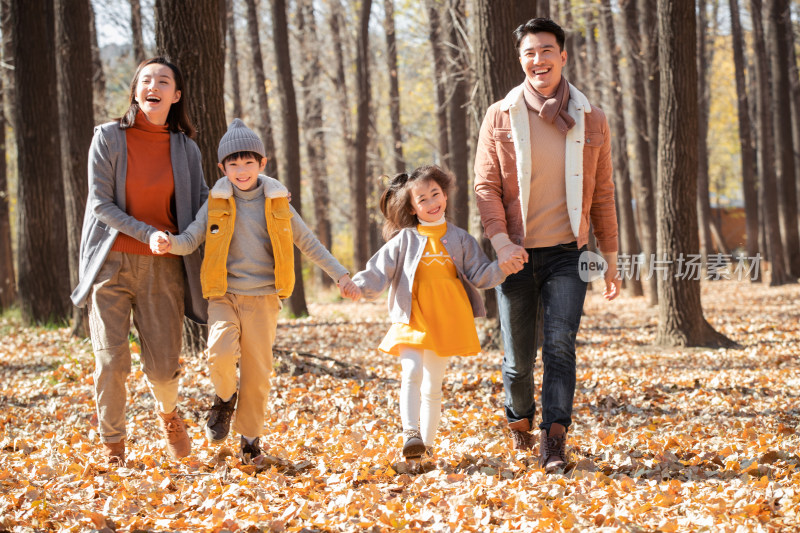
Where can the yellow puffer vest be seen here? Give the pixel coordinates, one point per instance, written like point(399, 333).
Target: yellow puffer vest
point(221, 219)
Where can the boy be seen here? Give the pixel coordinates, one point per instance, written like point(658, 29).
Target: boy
point(250, 229)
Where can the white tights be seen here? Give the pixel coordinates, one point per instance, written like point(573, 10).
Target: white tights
point(421, 391)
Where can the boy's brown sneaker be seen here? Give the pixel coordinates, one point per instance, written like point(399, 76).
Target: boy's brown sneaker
point(114, 453)
point(250, 450)
point(174, 430)
point(219, 420)
point(413, 445)
point(552, 451)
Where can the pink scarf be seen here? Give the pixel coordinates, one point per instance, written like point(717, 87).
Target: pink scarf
point(552, 110)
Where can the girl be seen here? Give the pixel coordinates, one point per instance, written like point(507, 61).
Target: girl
point(145, 176)
point(432, 269)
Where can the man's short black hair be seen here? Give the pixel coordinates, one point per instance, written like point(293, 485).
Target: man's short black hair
point(540, 25)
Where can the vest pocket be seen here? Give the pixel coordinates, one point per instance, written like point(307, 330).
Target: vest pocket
point(283, 221)
point(218, 221)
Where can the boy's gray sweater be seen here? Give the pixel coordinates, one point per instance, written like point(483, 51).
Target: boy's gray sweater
point(395, 265)
point(250, 263)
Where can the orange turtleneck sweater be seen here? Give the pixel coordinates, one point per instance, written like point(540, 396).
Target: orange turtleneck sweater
point(149, 183)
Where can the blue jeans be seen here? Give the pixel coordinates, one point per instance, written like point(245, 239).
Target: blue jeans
point(551, 277)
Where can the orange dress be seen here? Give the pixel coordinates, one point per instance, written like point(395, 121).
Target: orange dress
point(441, 315)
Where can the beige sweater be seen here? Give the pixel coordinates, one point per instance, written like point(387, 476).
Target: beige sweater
point(547, 223)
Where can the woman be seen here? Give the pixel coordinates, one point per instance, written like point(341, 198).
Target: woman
point(145, 175)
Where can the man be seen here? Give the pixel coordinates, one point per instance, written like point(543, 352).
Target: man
point(542, 175)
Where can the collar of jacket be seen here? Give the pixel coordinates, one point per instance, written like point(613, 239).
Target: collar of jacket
point(514, 104)
point(223, 188)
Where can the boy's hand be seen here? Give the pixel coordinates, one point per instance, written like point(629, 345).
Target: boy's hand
point(159, 243)
point(348, 289)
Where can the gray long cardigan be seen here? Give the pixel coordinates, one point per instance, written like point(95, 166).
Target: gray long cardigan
point(105, 213)
point(395, 265)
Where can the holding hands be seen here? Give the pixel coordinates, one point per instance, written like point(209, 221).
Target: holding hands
point(511, 258)
point(159, 243)
point(348, 289)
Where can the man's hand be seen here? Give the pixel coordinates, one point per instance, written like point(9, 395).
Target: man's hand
point(348, 289)
point(612, 279)
point(511, 258)
point(159, 243)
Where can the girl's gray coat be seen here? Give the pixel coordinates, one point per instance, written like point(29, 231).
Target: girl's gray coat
point(395, 265)
point(105, 213)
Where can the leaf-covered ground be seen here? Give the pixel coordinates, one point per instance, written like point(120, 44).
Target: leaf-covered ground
point(663, 440)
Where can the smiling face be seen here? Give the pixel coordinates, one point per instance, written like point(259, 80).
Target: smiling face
point(156, 92)
point(542, 60)
point(243, 172)
point(428, 200)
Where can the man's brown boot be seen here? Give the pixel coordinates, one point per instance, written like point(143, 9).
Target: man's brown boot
point(553, 448)
point(114, 453)
point(521, 435)
point(174, 430)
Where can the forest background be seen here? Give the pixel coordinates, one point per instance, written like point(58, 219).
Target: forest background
point(345, 93)
point(703, 100)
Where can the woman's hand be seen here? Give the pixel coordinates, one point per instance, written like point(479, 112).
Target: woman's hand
point(159, 243)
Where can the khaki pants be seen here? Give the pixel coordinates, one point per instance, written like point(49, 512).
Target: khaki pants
point(151, 287)
point(242, 329)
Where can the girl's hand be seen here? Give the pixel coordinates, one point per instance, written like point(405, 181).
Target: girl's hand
point(159, 243)
point(348, 289)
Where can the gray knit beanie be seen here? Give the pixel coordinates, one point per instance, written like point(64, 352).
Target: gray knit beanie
point(239, 138)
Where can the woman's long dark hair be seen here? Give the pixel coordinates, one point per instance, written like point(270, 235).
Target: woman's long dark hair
point(177, 119)
point(396, 199)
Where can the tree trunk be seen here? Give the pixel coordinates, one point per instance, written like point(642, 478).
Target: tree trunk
point(43, 265)
point(704, 95)
point(592, 58)
point(794, 77)
point(394, 89)
point(777, 41)
point(647, 21)
point(680, 314)
point(313, 127)
point(290, 134)
point(749, 189)
point(435, 31)
point(574, 62)
point(766, 154)
point(374, 190)
point(139, 54)
point(98, 76)
point(191, 33)
point(76, 119)
point(10, 93)
point(543, 8)
point(361, 238)
point(495, 60)
point(233, 61)
point(8, 283)
point(340, 81)
point(265, 119)
point(526, 10)
point(458, 127)
point(619, 145)
point(641, 171)
point(497, 71)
